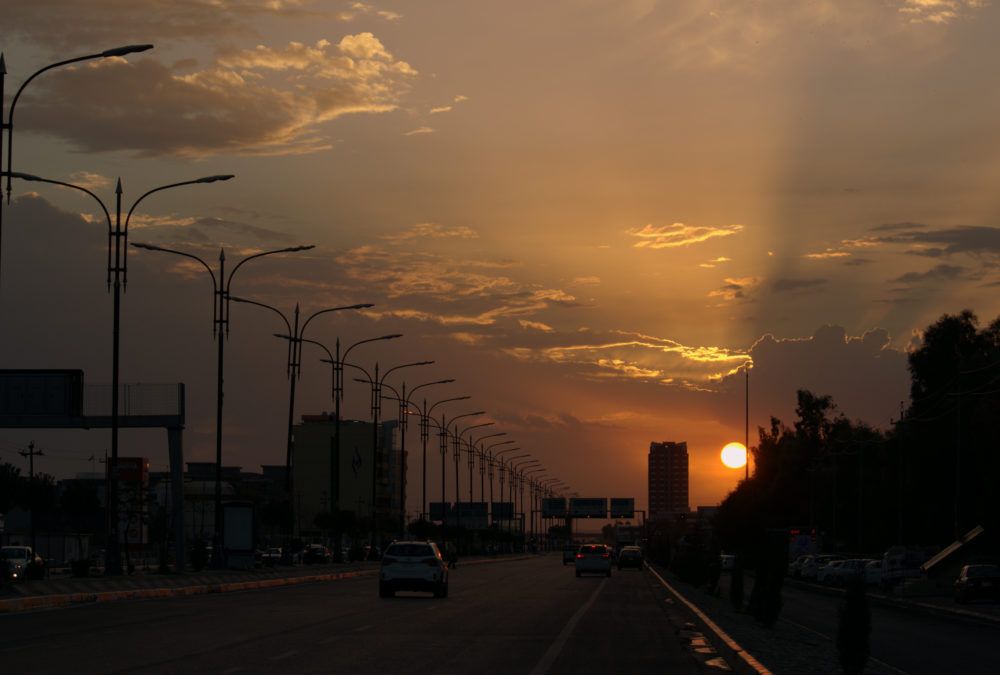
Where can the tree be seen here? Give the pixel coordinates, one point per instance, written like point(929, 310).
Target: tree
point(11, 486)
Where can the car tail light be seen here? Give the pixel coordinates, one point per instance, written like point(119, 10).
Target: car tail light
point(579, 555)
point(605, 556)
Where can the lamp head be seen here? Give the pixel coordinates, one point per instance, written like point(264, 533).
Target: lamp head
point(128, 49)
point(213, 179)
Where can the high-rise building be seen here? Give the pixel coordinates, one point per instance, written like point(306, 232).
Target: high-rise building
point(668, 479)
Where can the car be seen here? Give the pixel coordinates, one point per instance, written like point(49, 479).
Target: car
point(978, 582)
point(569, 554)
point(853, 568)
point(873, 572)
point(22, 562)
point(593, 558)
point(316, 554)
point(795, 567)
point(630, 556)
point(727, 561)
point(413, 566)
point(811, 567)
point(270, 557)
point(827, 574)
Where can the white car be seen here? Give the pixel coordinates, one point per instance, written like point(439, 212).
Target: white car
point(873, 573)
point(413, 566)
point(827, 574)
point(593, 558)
point(850, 569)
point(19, 558)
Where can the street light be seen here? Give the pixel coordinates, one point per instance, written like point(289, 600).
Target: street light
point(9, 124)
point(482, 463)
point(220, 319)
point(295, 339)
point(443, 435)
point(424, 435)
point(117, 237)
point(486, 464)
point(337, 361)
point(376, 383)
point(457, 447)
point(404, 413)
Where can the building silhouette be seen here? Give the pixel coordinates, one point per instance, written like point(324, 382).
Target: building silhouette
point(668, 479)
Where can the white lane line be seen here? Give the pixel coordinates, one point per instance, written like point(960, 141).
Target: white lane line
point(556, 647)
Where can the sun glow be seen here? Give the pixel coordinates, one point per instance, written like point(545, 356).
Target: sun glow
point(734, 455)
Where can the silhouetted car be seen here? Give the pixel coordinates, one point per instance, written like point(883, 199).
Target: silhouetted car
point(22, 562)
point(873, 572)
point(270, 557)
point(316, 554)
point(978, 582)
point(413, 566)
point(811, 567)
point(827, 574)
point(569, 554)
point(630, 556)
point(593, 558)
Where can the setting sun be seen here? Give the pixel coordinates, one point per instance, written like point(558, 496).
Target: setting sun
point(734, 455)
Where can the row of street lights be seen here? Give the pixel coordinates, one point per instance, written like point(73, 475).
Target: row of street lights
point(117, 279)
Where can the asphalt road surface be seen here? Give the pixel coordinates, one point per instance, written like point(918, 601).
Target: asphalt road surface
point(524, 616)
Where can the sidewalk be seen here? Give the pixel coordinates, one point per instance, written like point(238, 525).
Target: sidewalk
point(60, 590)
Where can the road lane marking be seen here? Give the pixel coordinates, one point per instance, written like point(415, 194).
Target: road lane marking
point(556, 647)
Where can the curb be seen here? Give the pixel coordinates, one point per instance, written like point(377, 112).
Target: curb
point(739, 659)
point(36, 602)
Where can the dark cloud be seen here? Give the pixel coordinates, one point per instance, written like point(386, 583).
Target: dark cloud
point(938, 273)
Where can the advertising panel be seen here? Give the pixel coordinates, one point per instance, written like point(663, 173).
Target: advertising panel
point(438, 510)
point(503, 510)
point(580, 507)
point(554, 507)
point(622, 507)
point(472, 516)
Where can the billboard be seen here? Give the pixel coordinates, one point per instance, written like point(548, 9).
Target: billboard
point(622, 507)
point(503, 510)
point(439, 510)
point(554, 507)
point(580, 507)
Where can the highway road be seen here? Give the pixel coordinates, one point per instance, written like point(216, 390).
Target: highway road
point(518, 616)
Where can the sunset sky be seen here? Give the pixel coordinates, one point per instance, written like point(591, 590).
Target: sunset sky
point(591, 213)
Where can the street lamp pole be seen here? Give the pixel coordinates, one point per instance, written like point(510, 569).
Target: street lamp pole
point(295, 338)
point(220, 322)
point(404, 413)
point(117, 237)
point(457, 448)
point(425, 418)
point(338, 394)
point(482, 463)
point(376, 406)
point(9, 124)
point(444, 461)
point(486, 465)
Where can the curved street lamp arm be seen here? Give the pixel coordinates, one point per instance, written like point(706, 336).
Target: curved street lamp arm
point(447, 400)
point(405, 365)
point(261, 304)
point(117, 51)
point(290, 249)
point(215, 285)
point(30, 177)
point(312, 316)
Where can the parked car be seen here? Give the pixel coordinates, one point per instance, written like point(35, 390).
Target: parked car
point(316, 554)
point(978, 582)
point(727, 561)
point(827, 574)
point(811, 567)
point(22, 562)
point(873, 573)
point(593, 558)
point(569, 554)
point(852, 568)
point(630, 556)
point(795, 567)
point(270, 557)
point(413, 566)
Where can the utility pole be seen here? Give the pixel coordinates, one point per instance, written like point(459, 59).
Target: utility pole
point(31, 453)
